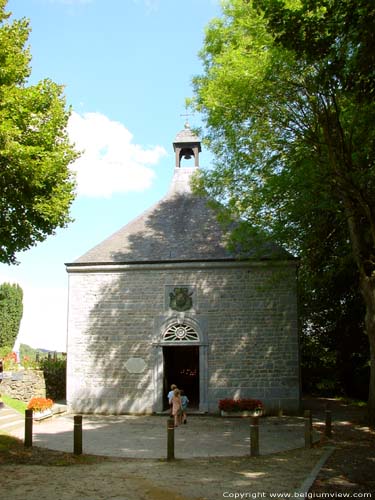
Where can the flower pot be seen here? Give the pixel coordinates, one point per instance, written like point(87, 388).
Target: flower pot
point(41, 415)
point(244, 413)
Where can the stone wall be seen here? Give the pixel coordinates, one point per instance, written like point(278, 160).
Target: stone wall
point(23, 385)
point(246, 316)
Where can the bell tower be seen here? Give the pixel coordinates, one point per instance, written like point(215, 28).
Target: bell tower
point(186, 145)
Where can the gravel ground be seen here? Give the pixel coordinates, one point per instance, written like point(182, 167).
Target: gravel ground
point(92, 478)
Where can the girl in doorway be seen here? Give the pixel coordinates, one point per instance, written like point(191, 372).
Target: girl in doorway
point(170, 396)
point(176, 407)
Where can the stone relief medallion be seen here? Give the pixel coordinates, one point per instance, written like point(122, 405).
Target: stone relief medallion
point(135, 365)
point(180, 299)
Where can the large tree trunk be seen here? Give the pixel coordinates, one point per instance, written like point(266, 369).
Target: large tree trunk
point(363, 258)
point(368, 292)
point(361, 223)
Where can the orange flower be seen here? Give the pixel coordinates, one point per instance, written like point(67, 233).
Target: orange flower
point(39, 404)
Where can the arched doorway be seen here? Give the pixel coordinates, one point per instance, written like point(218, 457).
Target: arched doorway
point(181, 367)
point(181, 359)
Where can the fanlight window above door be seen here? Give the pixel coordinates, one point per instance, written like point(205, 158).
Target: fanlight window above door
point(180, 332)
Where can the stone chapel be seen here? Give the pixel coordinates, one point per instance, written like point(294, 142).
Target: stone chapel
point(164, 301)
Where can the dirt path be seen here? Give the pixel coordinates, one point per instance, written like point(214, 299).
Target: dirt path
point(209, 479)
point(351, 468)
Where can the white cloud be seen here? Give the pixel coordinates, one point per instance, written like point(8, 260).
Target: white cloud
point(111, 162)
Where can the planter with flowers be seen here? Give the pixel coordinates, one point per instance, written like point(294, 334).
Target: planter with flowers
point(241, 407)
point(42, 408)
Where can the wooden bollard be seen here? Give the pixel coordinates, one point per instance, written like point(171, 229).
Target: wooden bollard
point(308, 428)
point(77, 435)
point(328, 426)
point(170, 439)
point(254, 437)
point(28, 428)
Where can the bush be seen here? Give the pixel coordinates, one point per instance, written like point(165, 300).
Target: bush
point(9, 359)
point(54, 370)
point(29, 364)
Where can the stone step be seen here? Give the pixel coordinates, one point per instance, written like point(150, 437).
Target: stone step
point(9, 413)
point(10, 419)
point(5, 413)
point(11, 425)
point(59, 408)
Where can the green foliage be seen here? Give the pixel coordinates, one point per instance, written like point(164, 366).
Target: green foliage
point(4, 351)
point(9, 360)
point(55, 376)
point(26, 350)
point(11, 310)
point(29, 363)
point(287, 94)
point(36, 184)
point(333, 345)
point(31, 358)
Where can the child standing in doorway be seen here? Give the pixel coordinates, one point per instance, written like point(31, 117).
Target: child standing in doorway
point(176, 407)
point(170, 396)
point(184, 405)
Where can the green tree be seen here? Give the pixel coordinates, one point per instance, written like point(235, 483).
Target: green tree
point(36, 185)
point(54, 370)
point(334, 352)
point(287, 96)
point(11, 310)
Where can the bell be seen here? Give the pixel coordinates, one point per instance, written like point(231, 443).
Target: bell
point(187, 156)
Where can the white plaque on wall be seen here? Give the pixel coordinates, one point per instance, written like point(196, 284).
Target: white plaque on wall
point(135, 365)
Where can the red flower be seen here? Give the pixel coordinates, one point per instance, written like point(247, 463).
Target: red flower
point(240, 404)
point(12, 356)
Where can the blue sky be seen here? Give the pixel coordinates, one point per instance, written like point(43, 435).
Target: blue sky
point(127, 67)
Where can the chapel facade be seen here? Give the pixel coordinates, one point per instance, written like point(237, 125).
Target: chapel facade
point(164, 301)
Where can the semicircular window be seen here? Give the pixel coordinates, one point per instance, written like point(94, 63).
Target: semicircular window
point(180, 332)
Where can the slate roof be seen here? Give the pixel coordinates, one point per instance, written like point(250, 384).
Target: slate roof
point(187, 136)
point(180, 227)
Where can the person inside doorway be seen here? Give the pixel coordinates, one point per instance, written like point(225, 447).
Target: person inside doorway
point(184, 405)
point(176, 407)
point(170, 396)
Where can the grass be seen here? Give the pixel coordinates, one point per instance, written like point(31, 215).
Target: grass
point(17, 405)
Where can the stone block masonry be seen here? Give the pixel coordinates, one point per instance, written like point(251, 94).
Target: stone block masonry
point(23, 385)
point(245, 314)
